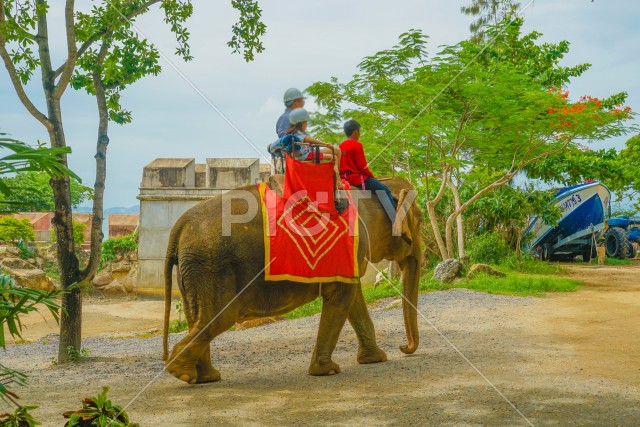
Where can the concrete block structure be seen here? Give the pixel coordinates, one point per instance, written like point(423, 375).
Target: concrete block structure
point(170, 187)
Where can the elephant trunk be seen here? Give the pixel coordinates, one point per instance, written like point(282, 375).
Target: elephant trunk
point(410, 285)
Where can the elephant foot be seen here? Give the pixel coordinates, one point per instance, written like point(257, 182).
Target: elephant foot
point(181, 368)
point(324, 367)
point(188, 375)
point(371, 355)
point(207, 374)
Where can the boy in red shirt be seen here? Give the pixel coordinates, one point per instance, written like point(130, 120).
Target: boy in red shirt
point(353, 168)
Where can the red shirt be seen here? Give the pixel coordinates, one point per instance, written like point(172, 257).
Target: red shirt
point(353, 164)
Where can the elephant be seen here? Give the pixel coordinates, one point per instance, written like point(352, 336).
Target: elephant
point(221, 281)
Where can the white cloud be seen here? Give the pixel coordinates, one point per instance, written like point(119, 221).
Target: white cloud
point(272, 107)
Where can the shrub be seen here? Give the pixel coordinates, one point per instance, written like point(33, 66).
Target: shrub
point(178, 325)
point(13, 229)
point(19, 418)
point(99, 411)
point(119, 246)
point(490, 248)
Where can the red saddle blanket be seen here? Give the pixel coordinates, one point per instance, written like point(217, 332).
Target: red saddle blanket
point(305, 240)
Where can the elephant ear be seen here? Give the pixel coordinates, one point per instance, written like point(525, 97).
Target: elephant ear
point(401, 228)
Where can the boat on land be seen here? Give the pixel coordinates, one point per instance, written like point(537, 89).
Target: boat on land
point(585, 207)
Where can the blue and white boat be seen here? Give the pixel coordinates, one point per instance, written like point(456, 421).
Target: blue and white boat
point(584, 210)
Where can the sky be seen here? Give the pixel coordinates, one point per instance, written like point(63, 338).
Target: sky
point(218, 105)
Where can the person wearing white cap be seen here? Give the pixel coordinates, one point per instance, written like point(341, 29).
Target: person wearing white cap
point(293, 99)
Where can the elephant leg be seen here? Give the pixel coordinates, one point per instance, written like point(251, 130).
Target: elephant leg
point(190, 360)
point(368, 350)
point(205, 370)
point(336, 303)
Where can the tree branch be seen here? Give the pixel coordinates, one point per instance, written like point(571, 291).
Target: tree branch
point(15, 79)
point(72, 53)
point(101, 167)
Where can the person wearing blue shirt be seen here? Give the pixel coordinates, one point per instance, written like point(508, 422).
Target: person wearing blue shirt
point(293, 99)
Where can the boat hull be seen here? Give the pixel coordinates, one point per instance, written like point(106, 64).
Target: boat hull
point(584, 207)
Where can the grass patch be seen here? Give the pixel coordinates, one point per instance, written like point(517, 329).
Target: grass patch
point(309, 309)
point(178, 325)
point(526, 264)
point(616, 261)
point(520, 285)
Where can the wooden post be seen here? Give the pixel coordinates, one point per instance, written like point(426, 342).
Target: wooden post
point(601, 254)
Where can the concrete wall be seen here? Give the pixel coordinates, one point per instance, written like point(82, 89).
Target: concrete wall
point(169, 188)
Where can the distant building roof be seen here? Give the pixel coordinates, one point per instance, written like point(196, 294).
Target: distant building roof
point(123, 220)
point(33, 217)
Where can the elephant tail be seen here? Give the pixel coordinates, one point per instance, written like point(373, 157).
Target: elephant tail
point(170, 261)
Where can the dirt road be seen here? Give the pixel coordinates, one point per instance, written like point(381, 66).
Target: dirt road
point(567, 359)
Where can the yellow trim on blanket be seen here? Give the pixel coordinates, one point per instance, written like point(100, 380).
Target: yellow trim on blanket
point(328, 279)
point(265, 228)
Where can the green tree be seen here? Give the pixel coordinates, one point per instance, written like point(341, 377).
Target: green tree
point(14, 229)
point(31, 192)
point(104, 55)
point(488, 12)
point(472, 110)
point(628, 162)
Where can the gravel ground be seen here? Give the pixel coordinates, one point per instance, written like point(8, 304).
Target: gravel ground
point(514, 353)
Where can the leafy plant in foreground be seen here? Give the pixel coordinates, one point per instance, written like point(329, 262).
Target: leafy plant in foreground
point(15, 301)
point(98, 411)
point(19, 418)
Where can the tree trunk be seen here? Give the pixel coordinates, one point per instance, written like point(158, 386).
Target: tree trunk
point(431, 210)
point(101, 174)
point(459, 219)
point(71, 317)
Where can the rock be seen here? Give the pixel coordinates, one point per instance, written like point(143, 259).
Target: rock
point(49, 253)
point(14, 263)
point(447, 270)
point(120, 267)
point(483, 268)
point(254, 323)
point(114, 289)
point(40, 262)
point(380, 278)
point(394, 304)
point(102, 279)
point(12, 250)
point(132, 256)
point(34, 279)
point(130, 279)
